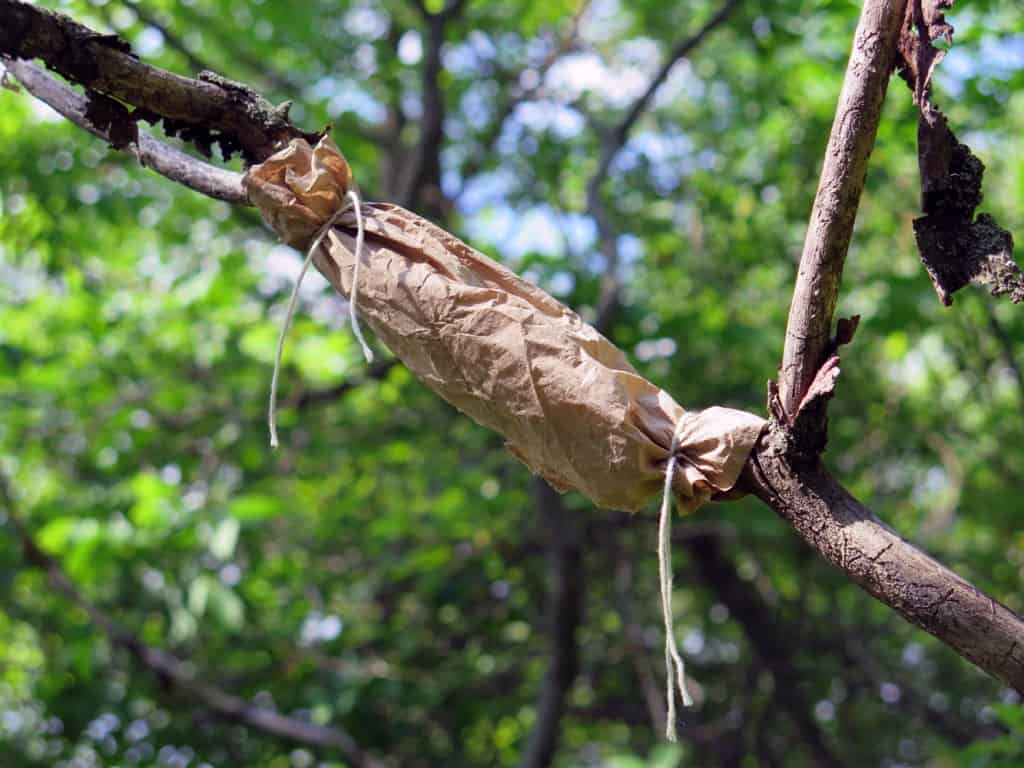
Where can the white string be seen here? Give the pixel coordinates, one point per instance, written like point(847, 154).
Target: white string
point(675, 669)
point(367, 352)
point(352, 199)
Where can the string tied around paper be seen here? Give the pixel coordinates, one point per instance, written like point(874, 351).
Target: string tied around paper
point(351, 201)
point(675, 669)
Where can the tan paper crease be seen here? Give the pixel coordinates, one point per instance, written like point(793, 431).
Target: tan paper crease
point(501, 350)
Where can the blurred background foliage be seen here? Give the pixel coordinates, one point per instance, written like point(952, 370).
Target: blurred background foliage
point(391, 570)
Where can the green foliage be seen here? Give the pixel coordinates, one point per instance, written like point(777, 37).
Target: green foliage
point(385, 570)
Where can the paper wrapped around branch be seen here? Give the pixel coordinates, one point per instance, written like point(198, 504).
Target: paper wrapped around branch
point(501, 350)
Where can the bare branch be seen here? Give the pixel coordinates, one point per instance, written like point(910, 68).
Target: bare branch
point(177, 166)
point(170, 670)
point(835, 205)
point(791, 480)
point(922, 590)
point(205, 111)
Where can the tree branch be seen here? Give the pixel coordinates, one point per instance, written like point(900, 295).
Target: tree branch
point(856, 121)
point(922, 590)
point(205, 111)
point(611, 144)
point(422, 189)
point(793, 482)
point(172, 163)
point(170, 670)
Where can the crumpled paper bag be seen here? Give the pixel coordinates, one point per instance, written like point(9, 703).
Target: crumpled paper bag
point(501, 350)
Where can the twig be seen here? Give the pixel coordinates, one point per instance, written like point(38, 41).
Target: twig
point(616, 138)
point(186, 170)
point(209, 110)
point(611, 145)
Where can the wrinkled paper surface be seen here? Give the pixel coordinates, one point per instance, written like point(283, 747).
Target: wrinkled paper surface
point(501, 350)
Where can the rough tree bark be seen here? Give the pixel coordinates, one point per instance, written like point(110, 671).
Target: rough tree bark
point(206, 111)
point(858, 113)
point(785, 471)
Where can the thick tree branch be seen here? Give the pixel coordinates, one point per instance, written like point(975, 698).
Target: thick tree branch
point(922, 590)
point(206, 111)
point(177, 166)
point(791, 480)
point(170, 670)
point(835, 206)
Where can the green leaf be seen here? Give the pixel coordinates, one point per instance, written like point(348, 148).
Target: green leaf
point(254, 506)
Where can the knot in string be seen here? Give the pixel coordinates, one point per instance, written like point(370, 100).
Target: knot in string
point(351, 201)
point(675, 669)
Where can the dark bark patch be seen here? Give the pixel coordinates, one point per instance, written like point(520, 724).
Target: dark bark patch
point(956, 247)
point(208, 111)
point(113, 119)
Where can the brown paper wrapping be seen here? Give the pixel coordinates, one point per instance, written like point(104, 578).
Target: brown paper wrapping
point(501, 350)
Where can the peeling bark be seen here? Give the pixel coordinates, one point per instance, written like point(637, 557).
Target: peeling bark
point(205, 111)
point(209, 180)
point(956, 248)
